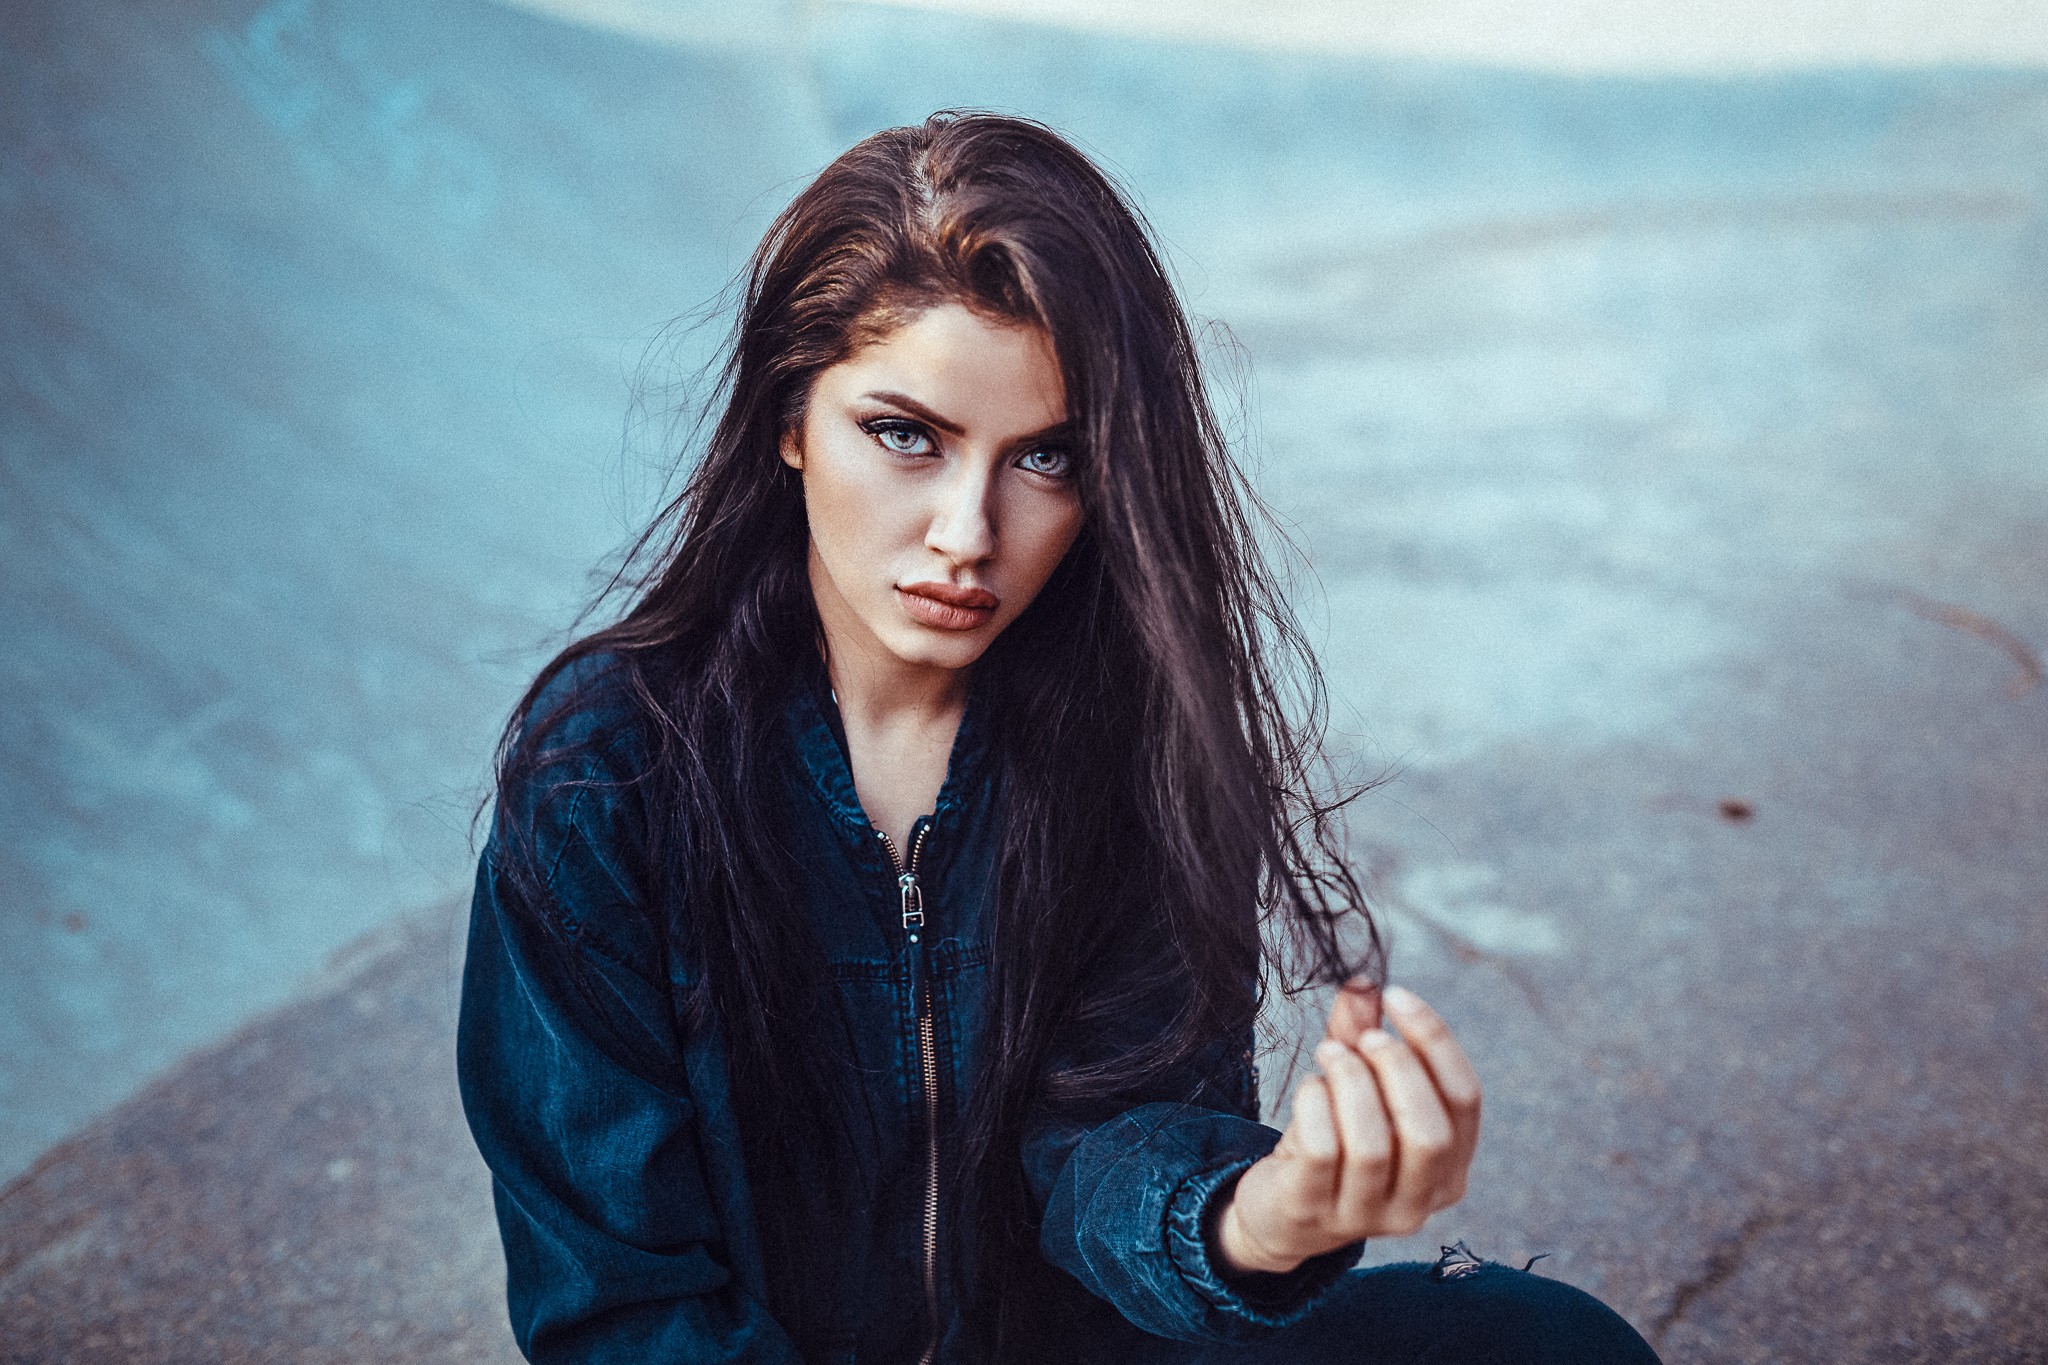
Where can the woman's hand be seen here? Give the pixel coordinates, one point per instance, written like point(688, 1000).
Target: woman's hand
point(1381, 1139)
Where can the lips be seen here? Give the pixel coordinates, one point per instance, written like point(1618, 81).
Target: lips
point(946, 607)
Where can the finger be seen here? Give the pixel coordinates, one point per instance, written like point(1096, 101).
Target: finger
point(1364, 1133)
point(1311, 1139)
point(1422, 1130)
point(1457, 1083)
point(1281, 1201)
point(1356, 1009)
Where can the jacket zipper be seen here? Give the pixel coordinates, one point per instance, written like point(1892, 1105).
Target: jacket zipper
point(912, 898)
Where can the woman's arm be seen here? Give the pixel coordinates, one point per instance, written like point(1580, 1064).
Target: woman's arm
point(1130, 1192)
point(1197, 1222)
point(579, 1099)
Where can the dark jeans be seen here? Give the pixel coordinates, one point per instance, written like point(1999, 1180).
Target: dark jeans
point(1415, 1315)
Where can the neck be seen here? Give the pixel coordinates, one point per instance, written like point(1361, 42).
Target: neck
point(885, 693)
point(901, 719)
point(875, 689)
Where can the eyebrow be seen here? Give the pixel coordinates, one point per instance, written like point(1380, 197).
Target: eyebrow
point(946, 424)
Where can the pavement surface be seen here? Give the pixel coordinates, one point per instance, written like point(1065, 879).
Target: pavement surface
point(1667, 457)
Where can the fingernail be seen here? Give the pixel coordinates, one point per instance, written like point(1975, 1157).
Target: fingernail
point(1328, 1052)
point(1375, 1038)
point(1403, 999)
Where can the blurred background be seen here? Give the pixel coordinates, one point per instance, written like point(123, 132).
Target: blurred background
point(1657, 392)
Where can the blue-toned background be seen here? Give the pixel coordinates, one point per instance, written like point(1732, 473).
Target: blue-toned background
point(1668, 453)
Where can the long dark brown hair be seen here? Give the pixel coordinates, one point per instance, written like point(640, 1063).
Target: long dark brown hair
point(1171, 793)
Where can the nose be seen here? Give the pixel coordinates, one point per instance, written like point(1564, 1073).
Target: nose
point(962, 527)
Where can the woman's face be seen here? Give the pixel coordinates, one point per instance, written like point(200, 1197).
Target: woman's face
point(938, 481)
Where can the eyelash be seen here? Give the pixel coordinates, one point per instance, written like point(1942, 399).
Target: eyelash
point(881, 428)
point(1066, 461)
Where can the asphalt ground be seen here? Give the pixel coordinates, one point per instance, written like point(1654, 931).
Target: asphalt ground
point(1667, 459)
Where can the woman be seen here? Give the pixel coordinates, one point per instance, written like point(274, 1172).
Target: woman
point(866, 953)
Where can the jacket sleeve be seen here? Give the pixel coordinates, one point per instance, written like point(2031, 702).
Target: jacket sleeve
point(575, 1089)
point(1128, 1200)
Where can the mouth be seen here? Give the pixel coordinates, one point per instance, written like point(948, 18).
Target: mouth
point(945, 607)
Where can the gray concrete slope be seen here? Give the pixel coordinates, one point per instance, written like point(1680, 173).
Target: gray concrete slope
point(1667, 457)
point(303, 1191)
point(316, 326)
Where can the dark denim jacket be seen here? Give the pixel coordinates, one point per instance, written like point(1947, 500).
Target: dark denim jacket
point(621, 1196)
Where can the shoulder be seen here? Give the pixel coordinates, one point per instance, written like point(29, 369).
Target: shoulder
point(571, 818)
point(564, 900)
point(588, 705)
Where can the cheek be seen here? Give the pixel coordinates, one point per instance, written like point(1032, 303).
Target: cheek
point(1044, 532)
point(856, 514)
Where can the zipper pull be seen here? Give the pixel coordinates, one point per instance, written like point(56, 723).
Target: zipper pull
point(913, 929)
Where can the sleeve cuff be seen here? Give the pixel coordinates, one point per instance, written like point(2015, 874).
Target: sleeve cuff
point(1257, 1300)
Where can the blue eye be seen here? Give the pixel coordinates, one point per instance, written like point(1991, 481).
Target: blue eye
point(1050, 461)
point(900, 437)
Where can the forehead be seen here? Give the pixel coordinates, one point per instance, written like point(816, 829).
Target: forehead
point(965, 366)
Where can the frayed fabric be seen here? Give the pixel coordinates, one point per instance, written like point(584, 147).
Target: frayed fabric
point(1458, 1261)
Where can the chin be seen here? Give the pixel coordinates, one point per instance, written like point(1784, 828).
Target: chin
point(941, 649)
